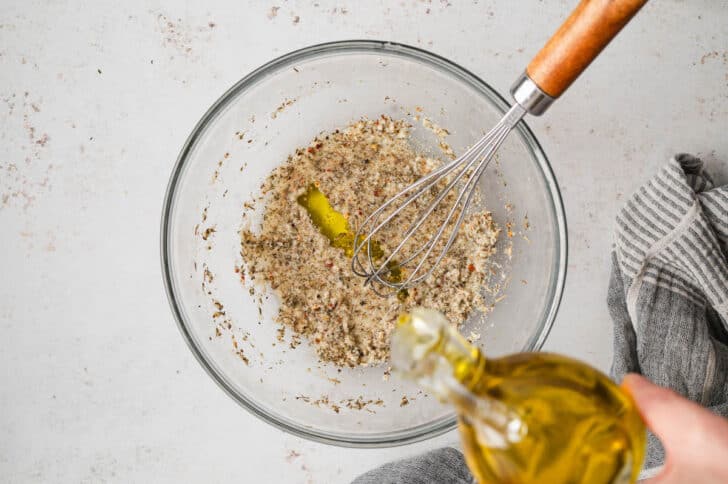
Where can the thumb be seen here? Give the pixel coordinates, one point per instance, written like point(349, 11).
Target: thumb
point(686, 430)
point(667, 414)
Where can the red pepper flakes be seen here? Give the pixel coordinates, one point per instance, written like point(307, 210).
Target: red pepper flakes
point(471, 267)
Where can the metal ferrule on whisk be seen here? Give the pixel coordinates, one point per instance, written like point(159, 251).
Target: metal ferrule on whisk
point(530, 96)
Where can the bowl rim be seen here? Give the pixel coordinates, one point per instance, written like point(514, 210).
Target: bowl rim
point(413, 434)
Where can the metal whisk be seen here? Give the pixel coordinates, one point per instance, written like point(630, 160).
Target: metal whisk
point(589, 28)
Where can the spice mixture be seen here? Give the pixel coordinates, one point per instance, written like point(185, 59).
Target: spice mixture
point(353, 171)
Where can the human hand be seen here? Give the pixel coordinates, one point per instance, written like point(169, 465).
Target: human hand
point(695, 439)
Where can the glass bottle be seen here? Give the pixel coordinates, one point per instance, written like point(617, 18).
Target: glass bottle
point(527, 417)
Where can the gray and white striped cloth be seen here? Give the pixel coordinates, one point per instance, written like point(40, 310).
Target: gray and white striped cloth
point(668, 294)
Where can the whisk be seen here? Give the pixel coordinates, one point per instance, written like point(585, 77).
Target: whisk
point(589, 28)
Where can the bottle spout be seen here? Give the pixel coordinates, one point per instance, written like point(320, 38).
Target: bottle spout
point(426, 349)
point(424, 344)
point(415, 340)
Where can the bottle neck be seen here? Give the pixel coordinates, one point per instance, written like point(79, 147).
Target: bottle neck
point(427, 349)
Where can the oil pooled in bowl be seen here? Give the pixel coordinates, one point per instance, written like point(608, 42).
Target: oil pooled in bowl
point(334, 226)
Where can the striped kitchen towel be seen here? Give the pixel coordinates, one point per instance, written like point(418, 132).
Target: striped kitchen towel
point(668, 294)
point(445, 465)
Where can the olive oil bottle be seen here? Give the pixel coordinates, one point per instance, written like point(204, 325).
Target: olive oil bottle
point(528, 417)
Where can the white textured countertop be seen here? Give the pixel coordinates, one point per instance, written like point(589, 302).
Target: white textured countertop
point(97, 99)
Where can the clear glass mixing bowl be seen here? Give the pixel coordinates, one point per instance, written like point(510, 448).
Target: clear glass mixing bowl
point(251, 129)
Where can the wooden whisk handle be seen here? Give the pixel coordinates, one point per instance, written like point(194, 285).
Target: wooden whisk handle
point(579, 41)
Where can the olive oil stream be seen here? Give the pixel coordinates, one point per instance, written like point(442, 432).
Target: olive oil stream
point(334, 226)
point(527, 417)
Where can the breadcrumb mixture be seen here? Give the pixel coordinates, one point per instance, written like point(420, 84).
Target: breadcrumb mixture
point(357, 169)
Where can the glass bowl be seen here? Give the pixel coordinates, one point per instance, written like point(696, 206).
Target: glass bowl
point(229, 324)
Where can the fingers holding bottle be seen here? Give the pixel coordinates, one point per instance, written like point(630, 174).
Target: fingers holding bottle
point(695, 439)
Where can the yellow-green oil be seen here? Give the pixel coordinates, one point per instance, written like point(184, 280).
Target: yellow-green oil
point(332, 224)
point(335, 227)
point(572, 423)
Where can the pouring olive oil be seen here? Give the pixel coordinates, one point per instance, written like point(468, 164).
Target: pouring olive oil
point(528, 417)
